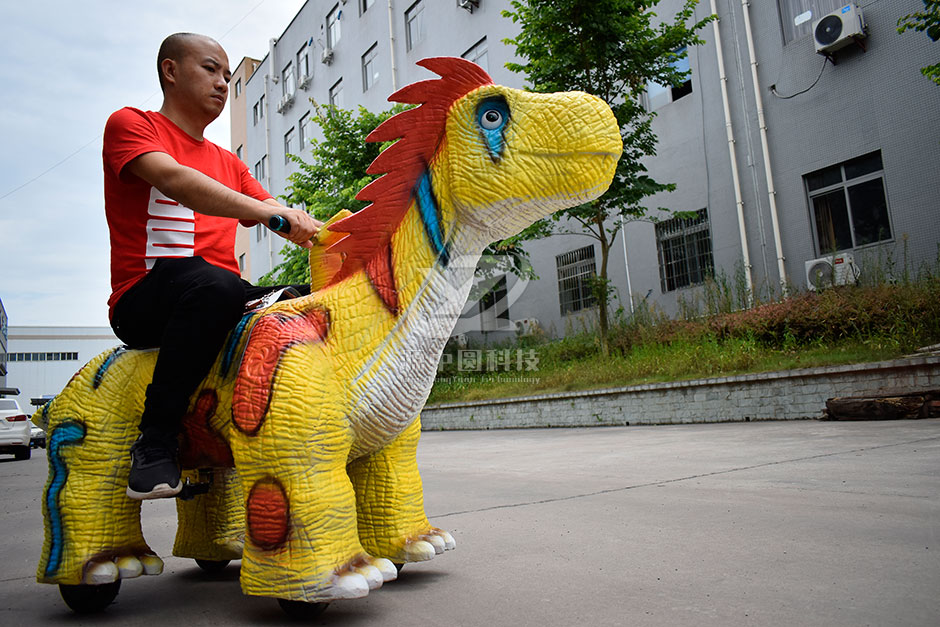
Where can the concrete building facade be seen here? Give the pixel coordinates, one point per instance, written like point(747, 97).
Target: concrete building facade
point(237, 110)
point(785, 155)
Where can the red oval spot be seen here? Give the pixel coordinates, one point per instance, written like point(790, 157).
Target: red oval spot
point(267, 514)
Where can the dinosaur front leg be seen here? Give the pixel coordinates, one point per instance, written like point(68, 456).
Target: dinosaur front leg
point(212, 526)
point(390, 503)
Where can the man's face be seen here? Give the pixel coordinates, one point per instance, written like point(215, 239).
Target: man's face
point(202, 77)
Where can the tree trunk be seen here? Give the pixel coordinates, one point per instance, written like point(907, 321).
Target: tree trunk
point(603, 294)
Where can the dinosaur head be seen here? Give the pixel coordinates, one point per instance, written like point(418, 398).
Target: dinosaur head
point(513, 157)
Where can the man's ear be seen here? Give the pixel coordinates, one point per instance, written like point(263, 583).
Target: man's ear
point(168, 69)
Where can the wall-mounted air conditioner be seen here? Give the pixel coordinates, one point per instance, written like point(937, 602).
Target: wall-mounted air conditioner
point(286, 101)
point(304, 81)
point(839, 29)
point(831, 270)
point(526, 326)
point(326, 56)
point(469, 5)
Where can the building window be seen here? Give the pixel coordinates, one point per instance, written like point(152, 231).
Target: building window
point(290, 144)
point(333, 32)
point(414, 25)
point(336, 94)
point(254, 115)
point(304, 72)
point(364, 5)
point(477, 54)
point(370, 68)
point(287, 79)
point(260, 232)
point(575, 269)
point(306, 130)
point(849, 203)
point(42, 356)
point(658, 95)
point(241, 262)
point(685, 251)
point(494, 307)
point(238, 88)
point(260, 168)
point(797, 16)
point(257, 112)
point(239, 150)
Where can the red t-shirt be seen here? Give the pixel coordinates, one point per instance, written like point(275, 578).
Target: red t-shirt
point(146, 225)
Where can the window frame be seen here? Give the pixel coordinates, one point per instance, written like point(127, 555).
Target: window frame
point(288, 80)
point(336, 93)
point(304, 67)
point(675, 92)
point(845, 184)
point(333, 24)
point(573, 268)
point(367, 63)
point(289, 138)
point(687, 232)
point(412, 14)
point(494, 307)
point(475, 59)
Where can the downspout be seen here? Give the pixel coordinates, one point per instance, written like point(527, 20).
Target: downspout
point(768, 172)
point(267, 137)
point(739, 203)
point(391, 45)
point(626, 261)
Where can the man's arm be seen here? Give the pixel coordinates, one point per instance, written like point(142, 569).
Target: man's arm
point(205, 195)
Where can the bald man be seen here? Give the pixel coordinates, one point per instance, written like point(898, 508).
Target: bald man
point(173, 200)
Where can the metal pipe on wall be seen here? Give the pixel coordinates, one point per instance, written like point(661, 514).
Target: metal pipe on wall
point(768, 172)
point(391, 45)
point(739, 202)
point(269, 77)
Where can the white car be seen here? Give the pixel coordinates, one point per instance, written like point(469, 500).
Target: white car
point(15, 429)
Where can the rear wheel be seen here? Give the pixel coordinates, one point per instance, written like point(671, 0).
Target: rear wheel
point(23, 452)
point(85, 599)
point(301, 610)
point(212, 566)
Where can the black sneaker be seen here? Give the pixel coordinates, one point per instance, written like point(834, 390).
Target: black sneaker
point(154, 471)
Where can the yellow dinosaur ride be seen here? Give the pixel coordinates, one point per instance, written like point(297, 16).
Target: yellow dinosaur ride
point(309, 420)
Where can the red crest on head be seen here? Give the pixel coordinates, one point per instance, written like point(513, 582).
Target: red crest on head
point(419, 132)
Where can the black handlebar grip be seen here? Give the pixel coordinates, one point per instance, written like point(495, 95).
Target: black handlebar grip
point(279, 223)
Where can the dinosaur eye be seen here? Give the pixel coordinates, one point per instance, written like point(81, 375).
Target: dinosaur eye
point(491, 120)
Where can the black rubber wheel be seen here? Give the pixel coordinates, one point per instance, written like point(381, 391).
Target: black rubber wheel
point(301, 610)
point(22, 453)
point(398, 567)
point(85, 599)
point(212, 566)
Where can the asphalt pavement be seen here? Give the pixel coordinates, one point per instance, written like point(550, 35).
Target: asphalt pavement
point(769, 523)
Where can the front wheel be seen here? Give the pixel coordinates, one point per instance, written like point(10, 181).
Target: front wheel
point(23, 452)
point(301, 610)
point(86, 599)
point(212, 566)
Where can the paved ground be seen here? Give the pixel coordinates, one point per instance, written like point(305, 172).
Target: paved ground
point(784, 523)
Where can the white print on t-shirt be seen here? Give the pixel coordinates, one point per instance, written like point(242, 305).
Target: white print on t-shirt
point(173, 237)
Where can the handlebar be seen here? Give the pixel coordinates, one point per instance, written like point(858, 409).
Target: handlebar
point(279, 223)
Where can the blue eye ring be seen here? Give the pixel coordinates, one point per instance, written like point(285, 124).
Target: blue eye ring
point(492, 118)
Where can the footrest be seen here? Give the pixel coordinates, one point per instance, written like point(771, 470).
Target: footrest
point(191, 490)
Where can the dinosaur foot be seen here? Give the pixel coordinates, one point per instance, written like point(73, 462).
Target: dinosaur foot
point(424, 546)
point(358, 577)
point(99, 571)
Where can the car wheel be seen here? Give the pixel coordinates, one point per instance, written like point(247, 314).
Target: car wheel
point(23, 452)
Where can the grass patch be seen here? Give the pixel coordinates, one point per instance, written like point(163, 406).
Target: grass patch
point(839, 326)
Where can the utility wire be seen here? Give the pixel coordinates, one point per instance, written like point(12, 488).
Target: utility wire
point(773, 88)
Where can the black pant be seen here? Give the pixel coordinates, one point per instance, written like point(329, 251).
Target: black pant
point(186, 308)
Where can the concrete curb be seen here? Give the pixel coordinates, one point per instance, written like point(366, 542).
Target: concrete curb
point(778, 395)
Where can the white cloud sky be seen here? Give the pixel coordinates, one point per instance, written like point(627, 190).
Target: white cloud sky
point(66, 67)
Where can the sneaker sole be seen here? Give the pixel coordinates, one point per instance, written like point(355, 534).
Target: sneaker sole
point(159, 491)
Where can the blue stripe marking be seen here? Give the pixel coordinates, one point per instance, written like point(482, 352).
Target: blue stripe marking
point(63, 435)
point(431, 217)
point(228, 355)
point(103, 368)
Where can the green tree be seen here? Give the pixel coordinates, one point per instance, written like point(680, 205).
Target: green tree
point(612, 49)
point(927, 20)
point(335, 173)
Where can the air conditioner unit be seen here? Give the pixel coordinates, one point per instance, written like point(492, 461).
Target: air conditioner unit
point(839, 29)
point(286, 101)
point(526, 326)
point(304, 81)
point(469, 5)
point(832, 270)
point(326, 56)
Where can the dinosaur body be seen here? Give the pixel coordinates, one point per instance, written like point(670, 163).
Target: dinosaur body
point(315, 401)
